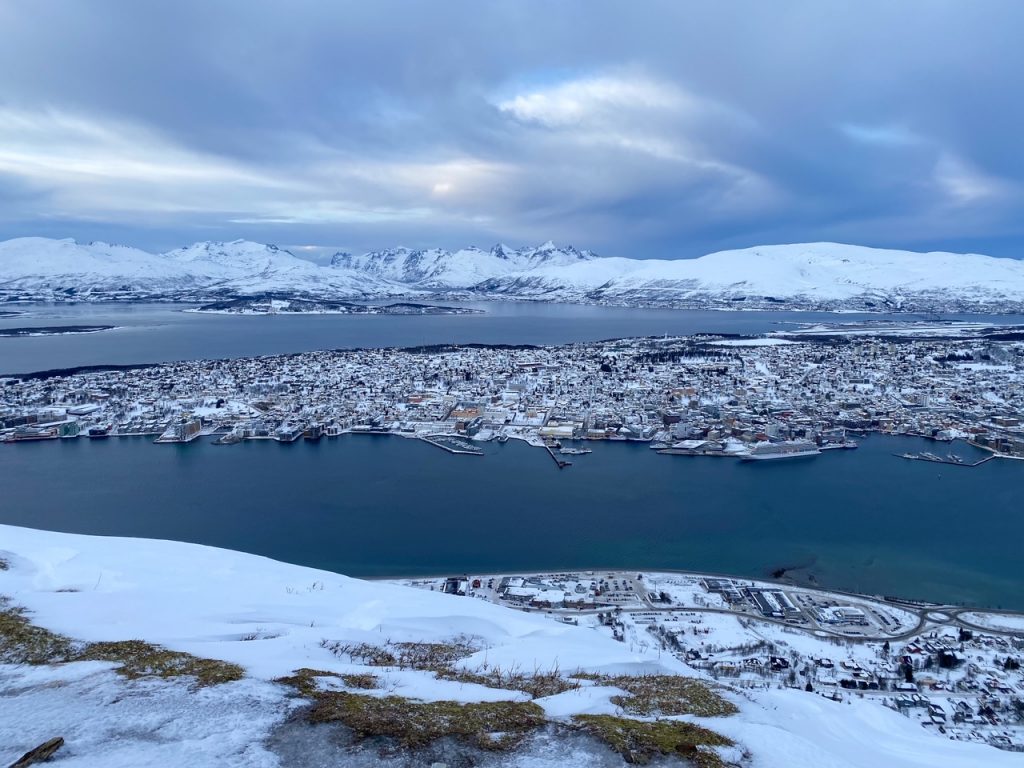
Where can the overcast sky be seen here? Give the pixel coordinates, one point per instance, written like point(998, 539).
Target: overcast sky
point(666, 129)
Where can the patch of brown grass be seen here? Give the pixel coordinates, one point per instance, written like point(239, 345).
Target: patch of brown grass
point(22, 642)
point(667, 695)
point(640, 741)
point(498, 725)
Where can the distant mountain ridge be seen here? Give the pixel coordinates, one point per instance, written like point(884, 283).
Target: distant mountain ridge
point(823, 276)
point(35, 268)
point(439, 269)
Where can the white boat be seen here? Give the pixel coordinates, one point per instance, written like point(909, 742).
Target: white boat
point(788, 449)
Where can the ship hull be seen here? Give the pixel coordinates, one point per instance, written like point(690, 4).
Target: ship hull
point(777, 456)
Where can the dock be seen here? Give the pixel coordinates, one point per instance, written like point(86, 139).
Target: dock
point(561, 463)
point(951, 460)
point(454, 445)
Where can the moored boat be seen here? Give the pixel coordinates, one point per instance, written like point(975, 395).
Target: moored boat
point(787, 449)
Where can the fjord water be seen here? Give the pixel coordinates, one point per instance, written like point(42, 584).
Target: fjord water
point(150, 333)
point(382, 506)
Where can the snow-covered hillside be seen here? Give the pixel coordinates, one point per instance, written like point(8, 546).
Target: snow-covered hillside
point(439, 269)
point(804, 276)
point(273, 619)
point(245, 267)
point(40, 268)
point(821, 275)
point(826, 276)
point(38, 264)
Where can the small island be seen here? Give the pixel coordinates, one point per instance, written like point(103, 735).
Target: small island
point(274, 304)
point(53, 330)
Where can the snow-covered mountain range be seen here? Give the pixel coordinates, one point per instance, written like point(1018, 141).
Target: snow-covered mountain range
point(439, 269)
point(825, 276)
point(813, 275)
point(41, 268)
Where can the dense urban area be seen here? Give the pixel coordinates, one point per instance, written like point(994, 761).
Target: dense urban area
point(776, 396)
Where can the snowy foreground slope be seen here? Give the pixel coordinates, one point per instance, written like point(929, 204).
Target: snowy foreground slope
point(272, 618)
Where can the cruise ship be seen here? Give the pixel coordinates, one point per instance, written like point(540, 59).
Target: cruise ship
point(788, 449)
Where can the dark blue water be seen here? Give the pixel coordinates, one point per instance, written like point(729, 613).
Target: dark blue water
point(159, 333)
point(376, 506)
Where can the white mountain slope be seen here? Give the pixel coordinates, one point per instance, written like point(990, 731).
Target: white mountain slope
point(804, 276)
point(439, 269)
point(37, 267)
point(271, 618)
point(39, 263)
point(245, 267)
point(813, 274)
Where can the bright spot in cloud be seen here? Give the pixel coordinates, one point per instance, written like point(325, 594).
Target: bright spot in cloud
point(965, 183)
point(578, 101)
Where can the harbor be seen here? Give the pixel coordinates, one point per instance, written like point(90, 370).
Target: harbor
point(377, 505)
point(951, 459)
point(560, 463)
point(454, 445)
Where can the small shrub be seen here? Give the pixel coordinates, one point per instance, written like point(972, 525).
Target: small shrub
point(441, 658)
point(364, 682)
point(407, 655)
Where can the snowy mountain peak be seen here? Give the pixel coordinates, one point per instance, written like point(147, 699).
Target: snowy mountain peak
point(805, 275)
point(49, 269)
point(221, 251)
point(799, 275)
point(502, 251)
point(439, 269)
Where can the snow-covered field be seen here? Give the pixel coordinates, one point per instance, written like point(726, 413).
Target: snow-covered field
point(273, 618)
point(995, 621)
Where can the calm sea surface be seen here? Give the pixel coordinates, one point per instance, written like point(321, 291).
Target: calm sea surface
point(376, 506)
point(368, 506)
point(160, 332)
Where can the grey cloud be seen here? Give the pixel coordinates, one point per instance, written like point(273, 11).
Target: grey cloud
point(368, 124)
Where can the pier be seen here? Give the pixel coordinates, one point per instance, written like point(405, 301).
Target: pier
point(951, 460)
point(454, 445)
point(561, 463)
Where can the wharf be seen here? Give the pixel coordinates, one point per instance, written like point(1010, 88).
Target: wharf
point(453, 445)
point(953, 462)
point(561, 463)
